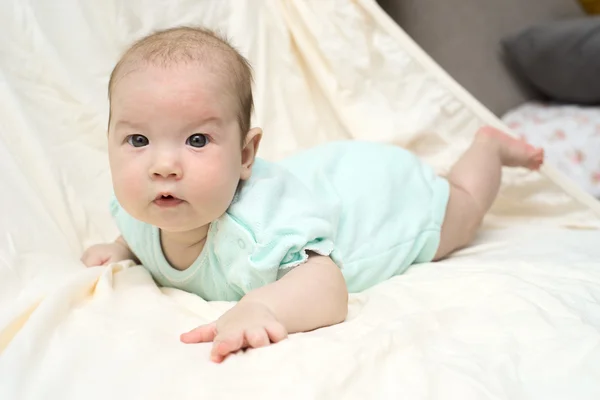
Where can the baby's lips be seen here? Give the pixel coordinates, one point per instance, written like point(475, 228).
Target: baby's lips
point(163, 195)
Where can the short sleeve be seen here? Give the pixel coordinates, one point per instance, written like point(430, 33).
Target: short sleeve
point(279, 219)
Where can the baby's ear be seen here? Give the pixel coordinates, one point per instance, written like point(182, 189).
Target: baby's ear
point(249, 152)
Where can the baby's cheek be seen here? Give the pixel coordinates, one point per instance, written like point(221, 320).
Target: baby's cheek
point(133, 184)
point(218, 184)
point(128, 183)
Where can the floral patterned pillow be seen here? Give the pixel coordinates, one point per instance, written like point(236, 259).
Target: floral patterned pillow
point(570, 136)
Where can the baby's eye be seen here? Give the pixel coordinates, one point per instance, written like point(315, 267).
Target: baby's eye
point(197, 140)
point(138, 140)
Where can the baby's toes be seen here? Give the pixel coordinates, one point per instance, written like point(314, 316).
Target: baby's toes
point(537, 159)
point(257, 337)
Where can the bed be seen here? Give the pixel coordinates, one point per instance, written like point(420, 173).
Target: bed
point(513, 316)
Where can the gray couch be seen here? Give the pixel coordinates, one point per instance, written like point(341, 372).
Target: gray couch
point(463, 36)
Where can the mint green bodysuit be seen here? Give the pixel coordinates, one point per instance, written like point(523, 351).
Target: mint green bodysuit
point(375, 209)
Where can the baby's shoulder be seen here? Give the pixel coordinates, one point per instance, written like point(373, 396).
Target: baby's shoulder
point(269, 227)
point(271, 180)
point(271, 186)
point(273, 199)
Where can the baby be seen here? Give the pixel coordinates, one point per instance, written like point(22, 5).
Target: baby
point(286, 241)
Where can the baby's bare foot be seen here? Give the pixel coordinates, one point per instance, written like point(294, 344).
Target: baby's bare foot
point(513, 152)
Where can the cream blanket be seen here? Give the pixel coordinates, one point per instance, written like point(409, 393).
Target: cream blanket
point(515, 316)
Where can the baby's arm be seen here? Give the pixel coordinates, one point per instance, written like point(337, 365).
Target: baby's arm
point(106, 253)
point(310, 296)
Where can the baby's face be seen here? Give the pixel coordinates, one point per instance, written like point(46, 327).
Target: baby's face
point(174, 146)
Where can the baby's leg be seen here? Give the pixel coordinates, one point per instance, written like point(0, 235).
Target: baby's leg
point(474, 183)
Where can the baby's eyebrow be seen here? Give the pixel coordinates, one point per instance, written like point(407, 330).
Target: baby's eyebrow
point(205, 121)
point(141, 127)
point(208, 120)
point(127, 124)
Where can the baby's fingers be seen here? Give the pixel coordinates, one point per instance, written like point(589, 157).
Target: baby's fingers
point(276, 332)
point(257, 337)
point(94, 260)
point(226, 345)
point(204, 333)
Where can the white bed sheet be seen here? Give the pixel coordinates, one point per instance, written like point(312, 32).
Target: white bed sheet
point(569, 133)
point(512, 317)
point(515, 316)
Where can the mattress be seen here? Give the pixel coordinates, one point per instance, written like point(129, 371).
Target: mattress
point(570, 135)
point(513, 316)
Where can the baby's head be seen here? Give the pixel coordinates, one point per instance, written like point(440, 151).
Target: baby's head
point(179, 137)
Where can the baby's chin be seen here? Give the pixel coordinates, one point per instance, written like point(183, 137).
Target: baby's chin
point(178, 226)
point(177, 221)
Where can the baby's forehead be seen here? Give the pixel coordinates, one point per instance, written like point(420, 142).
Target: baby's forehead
point(230, 72)
point(188, 90)
point(210, 75)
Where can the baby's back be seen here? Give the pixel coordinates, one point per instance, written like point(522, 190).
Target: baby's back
point(389, 205)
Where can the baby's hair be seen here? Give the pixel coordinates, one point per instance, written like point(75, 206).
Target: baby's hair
point(192, 44)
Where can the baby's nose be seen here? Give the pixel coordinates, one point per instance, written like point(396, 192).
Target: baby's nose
point(166, 169)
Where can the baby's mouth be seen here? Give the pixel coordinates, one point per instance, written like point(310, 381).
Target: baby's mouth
point(167, 200)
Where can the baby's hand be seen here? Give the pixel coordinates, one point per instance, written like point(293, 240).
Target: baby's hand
point(245, 325)
point(106, 253)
